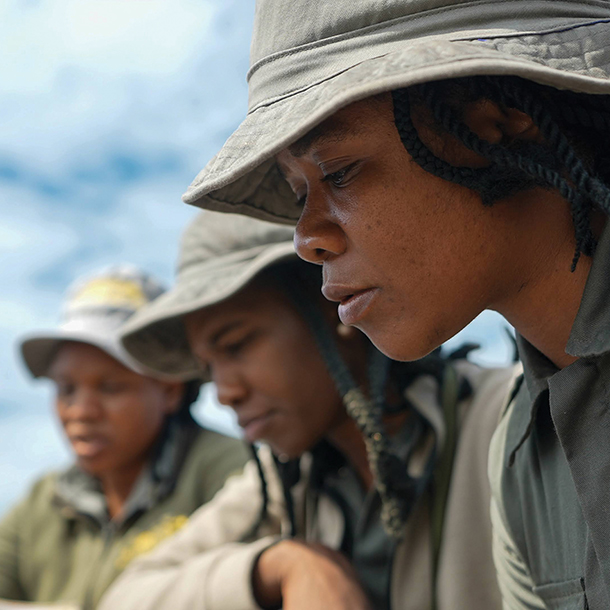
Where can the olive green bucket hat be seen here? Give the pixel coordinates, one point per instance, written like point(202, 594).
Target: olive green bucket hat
point(219, 255)
point(310, 59)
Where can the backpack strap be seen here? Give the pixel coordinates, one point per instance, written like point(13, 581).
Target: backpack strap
point(442, 473)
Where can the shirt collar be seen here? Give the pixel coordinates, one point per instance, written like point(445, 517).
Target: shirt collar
point(589, 337)
point(528, 396)
point(78, 493)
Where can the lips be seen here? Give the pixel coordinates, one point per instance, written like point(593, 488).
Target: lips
point(254, 426)
point(89, 445)
point(354, 303)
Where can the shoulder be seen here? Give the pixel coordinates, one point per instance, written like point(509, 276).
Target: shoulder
point(36, 507)
point(489, 382)
point(212, 448)
point(212, 458)
point(491, 390)
point(41, 492)
point(481, 412)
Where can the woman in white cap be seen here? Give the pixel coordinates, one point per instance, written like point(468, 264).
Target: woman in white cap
point(443, 157)
point(362, 455)
point(142, 464)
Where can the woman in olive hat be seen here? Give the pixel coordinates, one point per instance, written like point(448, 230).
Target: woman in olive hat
point(442, 158)
point(141, 466)
point(361, 455)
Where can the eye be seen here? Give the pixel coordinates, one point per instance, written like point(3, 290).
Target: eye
point(233, 347)
point(112, 387)
point(337, 178)
point(65, 390)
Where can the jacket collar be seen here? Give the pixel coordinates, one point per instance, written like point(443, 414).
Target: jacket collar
point(79, 494)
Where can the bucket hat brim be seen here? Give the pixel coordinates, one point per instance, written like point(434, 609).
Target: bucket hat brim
point(156, 335)
point(39, 350)
point(243, 177)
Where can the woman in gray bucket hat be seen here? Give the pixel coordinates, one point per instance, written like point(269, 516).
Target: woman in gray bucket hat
point(141, 466)
point(444, 157)
point(412, 518)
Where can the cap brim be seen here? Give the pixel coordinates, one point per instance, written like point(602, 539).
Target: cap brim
point(243, 177)
point(156, 335)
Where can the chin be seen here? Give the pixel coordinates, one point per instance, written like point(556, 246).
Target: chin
point(288, 452)
point(401, 346)
point(92, 467)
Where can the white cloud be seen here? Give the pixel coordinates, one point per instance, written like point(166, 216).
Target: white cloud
point(112, 38)
point(108, 109)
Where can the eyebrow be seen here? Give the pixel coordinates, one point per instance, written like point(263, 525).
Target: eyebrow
point(223, 330)
point(330, 131)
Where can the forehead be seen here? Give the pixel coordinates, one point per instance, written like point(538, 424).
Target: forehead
point(256, 301)
point(352, 121)
point(75, 356)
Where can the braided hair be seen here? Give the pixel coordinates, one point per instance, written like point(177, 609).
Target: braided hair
point(574, 159)
point(397, 489)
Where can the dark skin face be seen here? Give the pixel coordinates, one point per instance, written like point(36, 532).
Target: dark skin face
point(267, 368)
point(412, 258)
point(111, 415)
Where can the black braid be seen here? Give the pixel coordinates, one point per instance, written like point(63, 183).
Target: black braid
point(521, 165)
point(397, 489)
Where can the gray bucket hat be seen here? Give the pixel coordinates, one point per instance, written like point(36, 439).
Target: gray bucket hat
point(219, 255)
point(95, 308)
point(309, 59)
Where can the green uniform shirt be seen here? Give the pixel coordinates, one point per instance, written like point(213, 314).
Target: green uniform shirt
point(59, 544)
point(555, 484)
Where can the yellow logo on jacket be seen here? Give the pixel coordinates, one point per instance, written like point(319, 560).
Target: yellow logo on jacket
point(146, 541)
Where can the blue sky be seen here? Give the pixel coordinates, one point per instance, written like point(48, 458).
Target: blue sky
point(108, 109)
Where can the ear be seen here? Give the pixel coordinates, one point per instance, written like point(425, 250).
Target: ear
point(173, 393)
point(497, 125)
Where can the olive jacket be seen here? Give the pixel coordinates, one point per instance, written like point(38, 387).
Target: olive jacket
point(208, 564)
point(59, 545)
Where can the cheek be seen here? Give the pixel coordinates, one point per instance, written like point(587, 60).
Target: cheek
point(436, 254)
point(61, 413)
point(135, 423)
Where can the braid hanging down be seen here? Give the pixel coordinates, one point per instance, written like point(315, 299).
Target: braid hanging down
point(397, 489)
point(516, 167)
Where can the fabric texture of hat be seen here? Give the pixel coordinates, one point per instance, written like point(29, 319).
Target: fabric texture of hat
point(219, 255)
point(309, 60)
point(94, 310)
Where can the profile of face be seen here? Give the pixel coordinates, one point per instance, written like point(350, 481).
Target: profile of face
point(111, 415)
point(266, 366)
point(410, 258)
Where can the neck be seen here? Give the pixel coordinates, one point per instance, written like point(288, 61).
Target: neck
point(118, 485)
point(547, 321)
point(347, 438)
point(544, 296)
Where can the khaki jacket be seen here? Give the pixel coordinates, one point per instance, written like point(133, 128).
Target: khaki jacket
point(56, 547)
point(207, 565)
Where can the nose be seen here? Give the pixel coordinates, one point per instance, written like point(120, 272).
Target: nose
point(318, 237)
point(84, 406)
point(231, 389)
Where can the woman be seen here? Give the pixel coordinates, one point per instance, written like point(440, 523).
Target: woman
point(411, 516)
point(455, 160)
point(142, 465)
